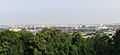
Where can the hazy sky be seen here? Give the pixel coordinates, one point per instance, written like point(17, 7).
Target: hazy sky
point(59, 11)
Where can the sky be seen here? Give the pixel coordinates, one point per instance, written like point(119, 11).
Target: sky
point(59, 11)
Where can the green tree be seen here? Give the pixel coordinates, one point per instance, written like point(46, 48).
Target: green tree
point(116, 40)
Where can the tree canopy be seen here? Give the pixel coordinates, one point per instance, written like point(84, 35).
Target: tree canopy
point(57, 42)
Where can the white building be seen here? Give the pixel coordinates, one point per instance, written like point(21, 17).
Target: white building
point(15, 29)
point(102, 27)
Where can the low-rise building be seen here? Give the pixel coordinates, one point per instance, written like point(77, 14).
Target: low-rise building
point(16, 29)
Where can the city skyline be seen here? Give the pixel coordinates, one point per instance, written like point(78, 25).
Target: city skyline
point(59, 12)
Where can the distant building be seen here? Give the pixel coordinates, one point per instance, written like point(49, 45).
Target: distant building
point(16, 29)
point(102, 27)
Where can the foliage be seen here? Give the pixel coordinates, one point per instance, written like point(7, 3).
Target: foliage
point(57, 42)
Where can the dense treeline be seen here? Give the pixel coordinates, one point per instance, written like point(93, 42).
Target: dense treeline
point(57, 42)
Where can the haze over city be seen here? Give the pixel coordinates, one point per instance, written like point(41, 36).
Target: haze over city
point(59, 11)
point(59, 27)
